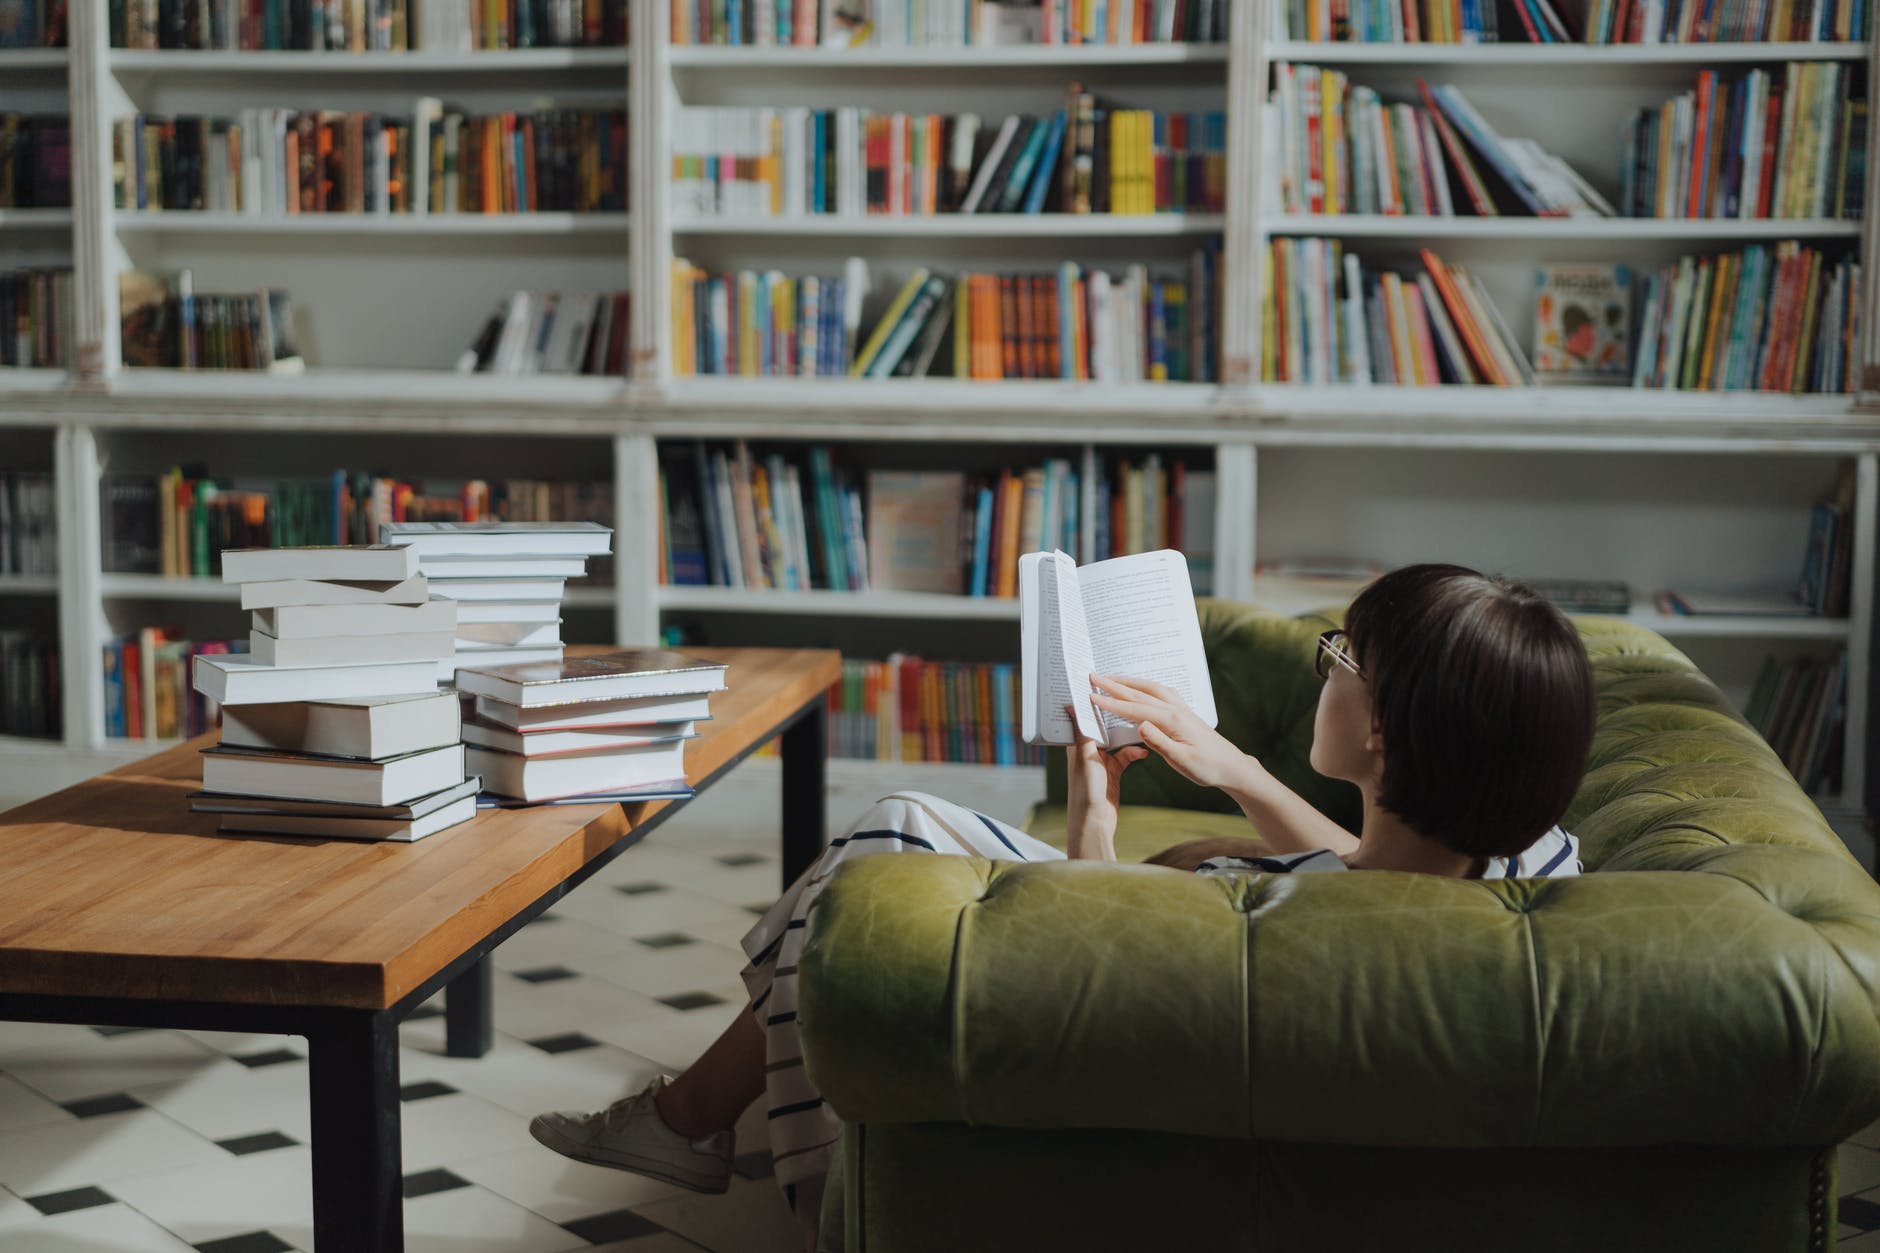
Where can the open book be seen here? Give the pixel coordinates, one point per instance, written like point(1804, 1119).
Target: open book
point(1129, 616)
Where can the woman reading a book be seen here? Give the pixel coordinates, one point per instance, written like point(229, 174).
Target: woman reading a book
point(1460, 706)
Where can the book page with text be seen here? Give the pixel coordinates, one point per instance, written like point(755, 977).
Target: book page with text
point(1139, 612)
point(1076, 660)
point(1044, 682)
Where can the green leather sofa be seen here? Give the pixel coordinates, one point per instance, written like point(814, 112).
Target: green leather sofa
point(1661, 1054)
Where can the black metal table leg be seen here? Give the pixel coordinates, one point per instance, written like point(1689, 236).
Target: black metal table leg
point(467, 1006)
point(805, 752)
point(358, 1188)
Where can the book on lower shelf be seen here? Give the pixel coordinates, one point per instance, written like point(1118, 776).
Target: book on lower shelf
point(30, 703)
point(1543, 22)
point(1071, 323)
point(37, 302)
point(731, 518)
point(522, 742)
point(1824, 588)
point(28, 542)
point(553, 333)
point(148, 692)
point(1800, 706)
point(1091, 156)
point(385, 26)
point(907, 708)
point(167, 324)
point(35, 152)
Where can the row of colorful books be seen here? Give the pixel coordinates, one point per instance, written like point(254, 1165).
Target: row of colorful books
point(553, 333)
point(798, 522)
point(276, 161)
point(147, 693)
point(1782, 318)
point(910, 709)
point(1089, 157)
point(33, 24)
point(1342, 149)
point(1598, 22)
point(35, 160)
point(365, 25)
point(30, 703)
point(1075, 324)
point(947, 23)
point(28, 542)
point(180, 522)
point(1798, 706)
point(1438, 326)
point(36, 312)
point(165, 322)
point(1784, 143)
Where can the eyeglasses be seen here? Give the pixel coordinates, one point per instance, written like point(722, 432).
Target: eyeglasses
point(1334, 650)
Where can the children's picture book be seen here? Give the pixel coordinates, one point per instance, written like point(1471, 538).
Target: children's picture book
point(1131, 616)
point(1582, 322)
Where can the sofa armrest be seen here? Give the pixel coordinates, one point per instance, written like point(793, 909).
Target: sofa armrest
point(1733, 1006)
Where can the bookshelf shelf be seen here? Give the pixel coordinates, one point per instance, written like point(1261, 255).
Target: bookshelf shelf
point(35, 219)
point(22, 60)
point(29, 585)
point(1512, 407)
point(1048, 56)
point(873, 604)
point(1674, 626)
point(964, 226)
point(1554, 230)
point(167, 587)
point(406, 391)
point(21, 381)
point(899, 397)
point(362, 63)
point(432, 224)
point(1517, 57)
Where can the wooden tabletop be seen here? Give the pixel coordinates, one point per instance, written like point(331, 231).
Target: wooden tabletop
point(113, 888)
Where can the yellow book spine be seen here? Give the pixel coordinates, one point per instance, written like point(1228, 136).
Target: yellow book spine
point(889, 321)
point(1332, 135)
point(1721, 290)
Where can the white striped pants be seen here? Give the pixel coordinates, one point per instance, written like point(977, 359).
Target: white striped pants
point(803, 1132)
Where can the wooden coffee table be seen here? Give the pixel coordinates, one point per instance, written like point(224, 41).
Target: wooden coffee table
point(120, 907)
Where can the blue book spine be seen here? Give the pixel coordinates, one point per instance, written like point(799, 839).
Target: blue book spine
point(1047, 509)
point(114, 689)
point(819, 144)
point(1004, 744)
point(708, 514)
point(1073, 515)
point(1047, 165)
point(982, 540)
point(760, 316)
point(1102, 520)
point(734, 23)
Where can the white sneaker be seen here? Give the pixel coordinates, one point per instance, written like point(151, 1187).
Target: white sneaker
point(630, 1135)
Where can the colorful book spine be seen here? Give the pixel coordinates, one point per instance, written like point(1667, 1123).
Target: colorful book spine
point(378, 26)
point(909, 709)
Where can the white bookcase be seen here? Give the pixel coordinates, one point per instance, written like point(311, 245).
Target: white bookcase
point(1658, 488)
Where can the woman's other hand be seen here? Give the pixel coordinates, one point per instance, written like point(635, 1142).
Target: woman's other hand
point(1198, 752)
point(1093, 785)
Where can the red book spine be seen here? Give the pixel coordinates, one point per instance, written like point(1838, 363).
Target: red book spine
point(1010, 328)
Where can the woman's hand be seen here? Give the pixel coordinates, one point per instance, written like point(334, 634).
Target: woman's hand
point(1198, 752)
point(1094, 780)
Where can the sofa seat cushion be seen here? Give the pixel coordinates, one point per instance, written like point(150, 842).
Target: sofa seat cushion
point(1142, 831)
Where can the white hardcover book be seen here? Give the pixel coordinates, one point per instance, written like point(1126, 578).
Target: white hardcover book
point(508, 588)
point(372, 727)
point(350, 563)
point(418, 807)
point(489, 539)
point(1131, 617)
point(1357, 340)
point(603, 676)
point(994, 155)
point(301, 621)
point(395, 830)
point(638, 711)
point(576, 774)
point(349, 650)
point(472, 612)
point(473, 635)
point(238, 679)
point(549, 743)
point(290, 776)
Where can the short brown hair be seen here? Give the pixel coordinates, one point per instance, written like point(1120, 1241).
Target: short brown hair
point(1484, 697)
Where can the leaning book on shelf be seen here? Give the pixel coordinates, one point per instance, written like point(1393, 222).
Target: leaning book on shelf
point(1130, 616)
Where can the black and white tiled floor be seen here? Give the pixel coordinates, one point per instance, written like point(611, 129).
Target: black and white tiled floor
point(166, 1141)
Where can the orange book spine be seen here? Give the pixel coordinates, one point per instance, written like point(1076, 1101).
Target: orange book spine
point(1014, 488)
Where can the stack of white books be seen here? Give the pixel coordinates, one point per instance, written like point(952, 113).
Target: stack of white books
point(507, 579)
point(332, 724)
point(606, 727)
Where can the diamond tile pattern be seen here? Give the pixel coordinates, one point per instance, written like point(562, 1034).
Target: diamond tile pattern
point(126, 1140)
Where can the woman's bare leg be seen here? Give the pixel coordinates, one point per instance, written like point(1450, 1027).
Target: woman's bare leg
point(720, 1085)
